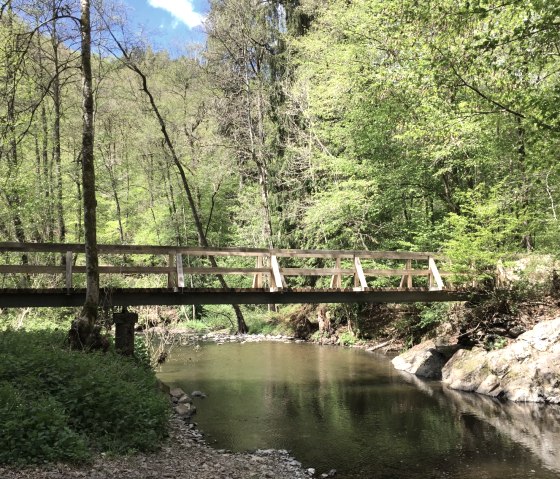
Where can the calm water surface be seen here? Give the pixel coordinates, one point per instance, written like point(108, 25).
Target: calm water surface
point(350, 410)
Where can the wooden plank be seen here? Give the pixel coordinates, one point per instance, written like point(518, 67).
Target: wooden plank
point(435, 275)
point(225, 270)
point(180, 274)
point(32, 269)
point(348, 271)
point(258, 277)
point(38, 269)
point(128, 269)
point(195, 251)
point(359, 277)
point(163, 296)
point(315, 271)
point(336, 280)
point(277, 280)
point(171, 282)
point(69, 261)
point(406, 279)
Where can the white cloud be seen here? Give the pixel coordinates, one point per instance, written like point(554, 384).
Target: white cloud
point(182, 10)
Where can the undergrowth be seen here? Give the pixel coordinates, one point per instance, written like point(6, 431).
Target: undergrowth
point(57, 404)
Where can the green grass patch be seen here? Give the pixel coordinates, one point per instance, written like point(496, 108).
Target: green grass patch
point(57, 404)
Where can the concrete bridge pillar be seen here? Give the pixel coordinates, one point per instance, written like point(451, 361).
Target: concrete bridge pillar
point(124, 332)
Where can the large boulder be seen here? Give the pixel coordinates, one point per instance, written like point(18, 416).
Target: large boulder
point(526, 370)
point(425, 359)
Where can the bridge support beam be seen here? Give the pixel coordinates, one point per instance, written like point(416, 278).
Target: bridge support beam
point(124, 332)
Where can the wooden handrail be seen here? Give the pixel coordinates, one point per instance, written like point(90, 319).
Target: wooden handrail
point(196, 251)
point(274, 273)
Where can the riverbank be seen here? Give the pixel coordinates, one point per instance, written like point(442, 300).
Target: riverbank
point(185, 455)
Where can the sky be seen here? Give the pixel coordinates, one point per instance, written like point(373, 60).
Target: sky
point(169, 24)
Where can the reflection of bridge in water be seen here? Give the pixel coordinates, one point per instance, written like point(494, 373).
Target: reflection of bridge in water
point(271, 273)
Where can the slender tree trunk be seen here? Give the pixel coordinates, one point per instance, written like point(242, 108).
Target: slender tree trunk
point(84, 333)
point(56, 132)
point(45, 178)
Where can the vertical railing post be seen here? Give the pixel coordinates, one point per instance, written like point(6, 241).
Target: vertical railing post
point(360, 283)
point(69, 262)
point(406, 280)
point(258, 277)
point(434, 275)
point(336, 280)
point(276, 276)
point(180, 275)
point(171, 283)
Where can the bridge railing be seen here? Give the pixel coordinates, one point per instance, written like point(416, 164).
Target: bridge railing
point(267, 273)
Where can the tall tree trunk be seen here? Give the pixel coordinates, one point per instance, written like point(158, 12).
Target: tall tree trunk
point(84, 333)
point(56, 131)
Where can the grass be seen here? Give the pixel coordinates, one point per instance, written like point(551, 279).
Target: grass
point(62, 405)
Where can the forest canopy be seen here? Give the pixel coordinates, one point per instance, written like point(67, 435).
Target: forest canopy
point(409, 125)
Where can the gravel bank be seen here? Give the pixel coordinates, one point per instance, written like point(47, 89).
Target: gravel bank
point(184, 456)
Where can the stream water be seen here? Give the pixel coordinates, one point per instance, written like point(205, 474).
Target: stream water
point(349, 410)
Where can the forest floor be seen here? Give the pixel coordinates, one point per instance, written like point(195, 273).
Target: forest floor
point(185, 455)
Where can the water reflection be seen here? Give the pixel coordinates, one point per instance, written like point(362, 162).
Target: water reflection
point(350, 410)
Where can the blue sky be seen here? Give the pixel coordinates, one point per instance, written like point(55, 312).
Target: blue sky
point(169, 24)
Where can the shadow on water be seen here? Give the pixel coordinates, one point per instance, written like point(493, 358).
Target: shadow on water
point(350, 410)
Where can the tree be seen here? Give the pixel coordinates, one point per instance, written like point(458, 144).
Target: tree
point(84, 332)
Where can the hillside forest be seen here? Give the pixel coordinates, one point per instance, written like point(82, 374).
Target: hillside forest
point(382, 125)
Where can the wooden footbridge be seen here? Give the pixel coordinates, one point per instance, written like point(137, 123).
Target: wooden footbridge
point(52, 275)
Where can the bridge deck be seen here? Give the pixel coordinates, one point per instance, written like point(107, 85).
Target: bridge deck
point(16, 298)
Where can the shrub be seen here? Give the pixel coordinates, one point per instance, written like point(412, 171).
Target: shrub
point(104, 401)
point(36, 429)
point(347, 339)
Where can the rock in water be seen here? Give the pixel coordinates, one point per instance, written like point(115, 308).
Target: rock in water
point(176, 393)
point(425, 359)
point(527, 370)
point(198, 394)
point(185, 409)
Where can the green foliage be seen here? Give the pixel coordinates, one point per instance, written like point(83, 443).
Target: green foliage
point(347, 339)
point(479, 236)
point(420, 322)
point(68, 404)
point(36, 319)
point(431, 315)
point(35, 428)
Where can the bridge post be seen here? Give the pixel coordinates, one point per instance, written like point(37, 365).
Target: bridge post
point(336, 280)
point(406, 280)
point(276, 276)
point(171, 282)
point(258, 277)
point(124, 331)
point(360, 282)
point(180, 275)
point(69, 261)
point(434, 275)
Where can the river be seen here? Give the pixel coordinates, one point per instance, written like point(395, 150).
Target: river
point(349, 410)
